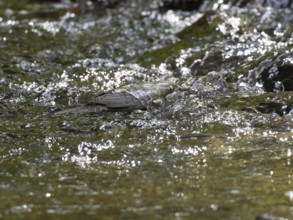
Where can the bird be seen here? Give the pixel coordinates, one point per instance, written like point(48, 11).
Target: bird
point(125, 99)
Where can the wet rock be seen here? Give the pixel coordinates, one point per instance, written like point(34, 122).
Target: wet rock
point(195, 36)
point(186, 5)
point(274, 107)
point(277, 75)
point(207, 63)
point(101, 3)
point(270, 3)
point(75, 6)
point(267, 103)
point(97, 2)
point(203, 27)
point(269, 217)
point(278, 3)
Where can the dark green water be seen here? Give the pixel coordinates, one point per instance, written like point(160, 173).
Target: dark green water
point(201, 155)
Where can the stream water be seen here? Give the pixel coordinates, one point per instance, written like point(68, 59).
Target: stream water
point(218, 147)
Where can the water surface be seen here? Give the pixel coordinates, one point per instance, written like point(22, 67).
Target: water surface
point(201, 155)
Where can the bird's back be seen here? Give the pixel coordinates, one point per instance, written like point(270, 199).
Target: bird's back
point(117, 101)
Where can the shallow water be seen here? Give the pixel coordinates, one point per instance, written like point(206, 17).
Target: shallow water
point(198, 156)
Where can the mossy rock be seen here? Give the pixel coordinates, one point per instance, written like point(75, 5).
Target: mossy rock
point(206, 26)
point(280, 103)
point(199, 34)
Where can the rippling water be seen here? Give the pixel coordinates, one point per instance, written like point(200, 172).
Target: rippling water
point(206, 153)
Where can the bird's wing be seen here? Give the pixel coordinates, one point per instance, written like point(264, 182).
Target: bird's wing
point(119, 100)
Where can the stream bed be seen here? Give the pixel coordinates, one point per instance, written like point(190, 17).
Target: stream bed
point(219, 146)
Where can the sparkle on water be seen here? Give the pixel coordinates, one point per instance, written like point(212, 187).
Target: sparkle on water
point(189, 158)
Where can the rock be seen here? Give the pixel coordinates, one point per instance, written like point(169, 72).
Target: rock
point(277, 75)
point(186, 5)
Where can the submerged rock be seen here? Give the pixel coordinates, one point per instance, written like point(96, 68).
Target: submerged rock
point(266, 103)
point(274, 107)
point(269, 217)
point(127, 99)
point(277, 75)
